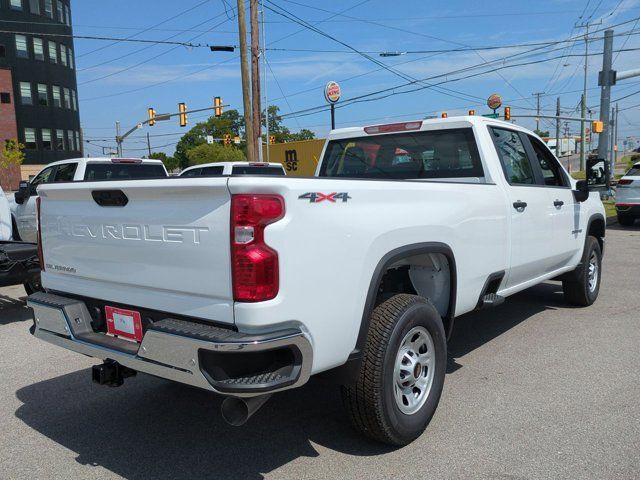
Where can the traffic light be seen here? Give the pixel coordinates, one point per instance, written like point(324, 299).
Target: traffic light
point(597, 126)
point(272, 139)
point(507, 113)
point(444, 115)
point(227, 140)
point(152, 116)
point(182, 108)
point(472, 112)
point(217, 106)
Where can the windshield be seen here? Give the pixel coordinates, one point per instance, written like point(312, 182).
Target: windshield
point(448, 153)
point(250, 170)
point(123, 171)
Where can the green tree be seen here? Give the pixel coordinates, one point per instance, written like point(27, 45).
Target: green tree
point(214, 152)
point(12, 154)
point(282, 133)
point(542, 133)
point(169, 162)
point(231, 122)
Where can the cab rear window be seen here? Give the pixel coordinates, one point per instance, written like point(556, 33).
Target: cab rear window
point(633, 172)
point(123, 171)
point(450, 153)
point(250, 170)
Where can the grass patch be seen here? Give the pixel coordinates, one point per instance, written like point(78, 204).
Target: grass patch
point(609, 208)
point(579, 175)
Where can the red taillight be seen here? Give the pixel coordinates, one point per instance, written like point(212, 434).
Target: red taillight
point(625, 181)
point(40, 255)
point(254, 264)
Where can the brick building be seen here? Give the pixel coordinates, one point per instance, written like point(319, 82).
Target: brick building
point(38, 89)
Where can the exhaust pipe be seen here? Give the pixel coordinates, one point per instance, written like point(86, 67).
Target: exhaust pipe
point(236, 411)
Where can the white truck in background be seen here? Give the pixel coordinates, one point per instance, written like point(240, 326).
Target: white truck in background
point(249, 285)
point(233, 168)
point(23, 203)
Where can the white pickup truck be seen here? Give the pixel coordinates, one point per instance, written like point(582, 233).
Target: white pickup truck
point(246, 286)
point(23, 203)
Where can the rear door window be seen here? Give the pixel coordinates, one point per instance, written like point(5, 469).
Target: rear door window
point(433, 154)
point(516, 165)
point(123, 171)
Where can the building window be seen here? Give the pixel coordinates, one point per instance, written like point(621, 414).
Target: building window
point(74, 100)
point(25, 93)
point(38, 50)
point(5, 97)
point(46, 139)
point(21, 47)
point(60, 143)
point(71, 60)
point(76, 136)
point(67, 15)
point(67, 98)
point(60, 12)
point(53, 52)
point(43, 96)
point(71, 143)
point(16, 4)
point(48, 8)
point(63, 55)
point(3, 51)
point(30, 139)
point(34, 6)
point(57, 101)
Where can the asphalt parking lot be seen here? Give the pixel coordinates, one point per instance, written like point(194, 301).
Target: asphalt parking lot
point(535, 390)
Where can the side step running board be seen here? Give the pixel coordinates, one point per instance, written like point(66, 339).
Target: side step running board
point(491, 300)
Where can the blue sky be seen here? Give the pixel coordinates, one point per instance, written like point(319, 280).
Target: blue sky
point(119, 81)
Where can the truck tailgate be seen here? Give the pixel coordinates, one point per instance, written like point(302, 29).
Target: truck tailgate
point(166, 249)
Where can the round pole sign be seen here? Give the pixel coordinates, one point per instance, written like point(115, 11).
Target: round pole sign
point(494, 101)
point(332, 92)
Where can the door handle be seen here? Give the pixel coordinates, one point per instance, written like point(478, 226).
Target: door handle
point(558, 203)
point(520, 205)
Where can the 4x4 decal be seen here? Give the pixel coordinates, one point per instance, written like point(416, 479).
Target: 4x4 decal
point(317, 197)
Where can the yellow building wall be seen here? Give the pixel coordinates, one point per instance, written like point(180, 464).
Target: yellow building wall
point(299, 159)
point(30, 170)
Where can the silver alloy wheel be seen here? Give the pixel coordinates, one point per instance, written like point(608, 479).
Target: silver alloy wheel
point(593, 272)
point(414, 370)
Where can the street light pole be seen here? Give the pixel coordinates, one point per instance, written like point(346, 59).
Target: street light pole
point(538, 110)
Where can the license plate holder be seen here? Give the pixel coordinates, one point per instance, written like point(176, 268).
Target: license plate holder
point(124, 323)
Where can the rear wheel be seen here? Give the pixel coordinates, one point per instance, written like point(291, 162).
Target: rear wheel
point(402, 372)
point(626, 220)
point(583, 286)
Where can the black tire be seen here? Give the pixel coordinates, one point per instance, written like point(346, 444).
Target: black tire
point(370, 401)
point(577, 289)
point(626, 220)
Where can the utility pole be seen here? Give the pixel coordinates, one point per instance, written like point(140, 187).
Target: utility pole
point(537, 95)
point(584, 94)
point(264, 82)
point(255, 78)
point(606, 79)
point(118, 139)
point(149, 145)
point(615, 143)
point(246, 93)
point(557, 127)
point(612, 132)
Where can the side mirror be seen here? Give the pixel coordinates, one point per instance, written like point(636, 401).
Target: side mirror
point(23, 193)
point(581, 193)
point(597, 172)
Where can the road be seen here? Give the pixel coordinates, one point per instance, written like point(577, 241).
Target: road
point(535, 390)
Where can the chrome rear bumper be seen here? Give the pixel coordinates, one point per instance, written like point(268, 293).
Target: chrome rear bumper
point(182, 351)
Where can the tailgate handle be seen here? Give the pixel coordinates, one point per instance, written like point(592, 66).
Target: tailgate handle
point(110, 198)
